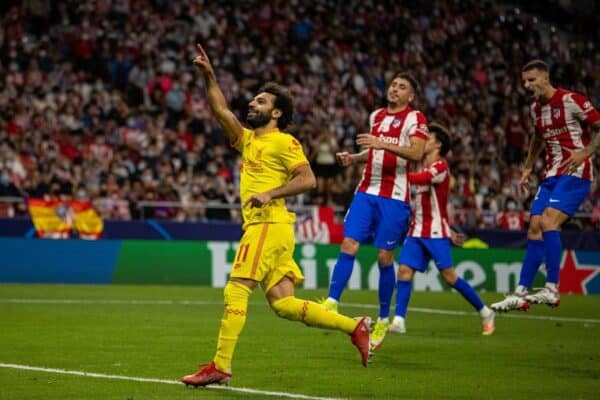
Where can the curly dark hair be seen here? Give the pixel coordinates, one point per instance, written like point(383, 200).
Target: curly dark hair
point(283, 101)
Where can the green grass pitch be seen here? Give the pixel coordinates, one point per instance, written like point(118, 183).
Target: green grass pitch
point(163, 332)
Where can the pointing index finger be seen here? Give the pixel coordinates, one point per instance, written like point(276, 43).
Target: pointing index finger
point(201, 50)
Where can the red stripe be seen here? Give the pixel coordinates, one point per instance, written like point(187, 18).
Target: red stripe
point(389, 171)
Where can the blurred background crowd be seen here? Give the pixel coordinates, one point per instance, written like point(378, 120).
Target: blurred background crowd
point(100, 100)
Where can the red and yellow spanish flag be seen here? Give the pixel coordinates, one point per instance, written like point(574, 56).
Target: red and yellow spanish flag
point(58, 219)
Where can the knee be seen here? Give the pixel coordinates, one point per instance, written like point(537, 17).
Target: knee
point(449, 276)
point(405, 273)
point(535, 231)
point(547, 223)
point(235, 291)
point(385, 257)
point(350, 246)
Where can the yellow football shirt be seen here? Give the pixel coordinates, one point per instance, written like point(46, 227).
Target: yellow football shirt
point(267, 163)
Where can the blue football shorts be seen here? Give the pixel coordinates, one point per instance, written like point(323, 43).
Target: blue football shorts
point(564, 193)
point(417, 252)
point(380, 219)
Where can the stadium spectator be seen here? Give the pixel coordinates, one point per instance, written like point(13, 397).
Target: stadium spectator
point(84, 68)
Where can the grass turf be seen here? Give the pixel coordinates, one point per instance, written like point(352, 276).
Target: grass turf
point(98, 329)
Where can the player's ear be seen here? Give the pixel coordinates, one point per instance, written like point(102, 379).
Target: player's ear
point(276, 113)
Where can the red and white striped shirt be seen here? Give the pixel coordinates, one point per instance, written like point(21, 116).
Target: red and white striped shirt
point(564, 124)
point(385, 174)
point(430, 217)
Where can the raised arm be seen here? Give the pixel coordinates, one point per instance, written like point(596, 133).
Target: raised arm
point(216, 100)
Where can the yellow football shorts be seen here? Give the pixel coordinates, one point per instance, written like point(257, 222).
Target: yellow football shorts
point(265, 255)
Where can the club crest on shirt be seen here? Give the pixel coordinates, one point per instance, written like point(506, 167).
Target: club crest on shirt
point(295, 145)
point(556, 113)
point(396, 122)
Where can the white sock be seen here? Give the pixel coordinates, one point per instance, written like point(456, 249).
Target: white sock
point(331, 299)
point(383, 320)
point(398, 320)
point(552, 286)
point(521, 290)
point(485, 312)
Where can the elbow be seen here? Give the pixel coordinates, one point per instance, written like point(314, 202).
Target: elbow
point(312, 183)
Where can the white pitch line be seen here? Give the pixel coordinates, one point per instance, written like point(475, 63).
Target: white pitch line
point(353, 305)
point(471, 313)
point(165, 381)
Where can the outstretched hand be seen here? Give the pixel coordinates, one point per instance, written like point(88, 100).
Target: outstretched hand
point(573, 161)
point(369, 141)
point(524, 181)
point(344, 158)
point(201, 60)
point(457, 238)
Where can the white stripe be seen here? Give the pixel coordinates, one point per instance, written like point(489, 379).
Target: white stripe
point(355, 305)
point(418, 222)
point(376, 171)
point(154, 380)
point(546, 115)
point(573, 114)
point(436, 220)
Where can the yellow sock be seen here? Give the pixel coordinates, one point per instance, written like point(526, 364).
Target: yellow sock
point(233, 320)
point(312, 314)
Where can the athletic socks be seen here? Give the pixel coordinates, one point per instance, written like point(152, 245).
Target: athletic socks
point(387, 281)
point(403, 293)
point(534, 255)
point(468, 293)
point(312, 314)
point(341, 275)
point(233, 320)
point(553, 252)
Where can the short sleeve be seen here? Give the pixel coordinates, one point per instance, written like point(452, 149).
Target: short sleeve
point(291, 153)
point(241, 140)
point(419, 128)
point(438, 171)
point(584, 110)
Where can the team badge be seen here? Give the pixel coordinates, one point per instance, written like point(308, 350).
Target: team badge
point(396, 122)
point(556, 112)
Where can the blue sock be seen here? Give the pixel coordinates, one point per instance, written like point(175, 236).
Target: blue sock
point(402, 297)
point(532, 261)
point(341, 275)
point(387, 281)
point(468, 293)
point(553, 247)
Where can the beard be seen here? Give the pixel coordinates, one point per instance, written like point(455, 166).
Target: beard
point(258, 119)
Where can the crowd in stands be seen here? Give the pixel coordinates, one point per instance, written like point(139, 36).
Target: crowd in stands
point(99, 99)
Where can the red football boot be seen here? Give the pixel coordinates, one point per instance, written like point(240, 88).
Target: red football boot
point(207, 376)
point(361, 338)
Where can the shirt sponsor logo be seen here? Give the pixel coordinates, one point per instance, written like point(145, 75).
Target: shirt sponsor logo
point(555, 132)
point(387, 139)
